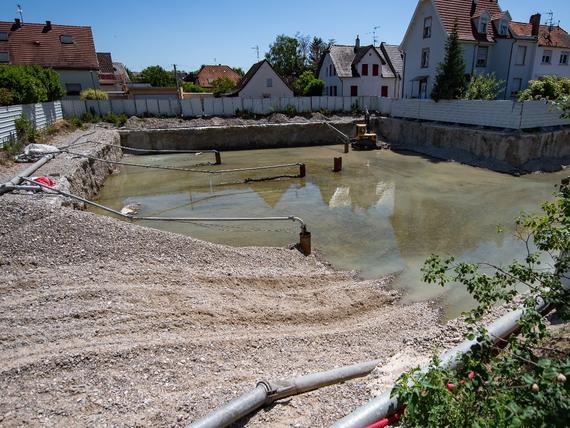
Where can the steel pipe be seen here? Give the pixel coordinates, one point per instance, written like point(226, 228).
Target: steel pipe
point(268, 392)
point(8, 186)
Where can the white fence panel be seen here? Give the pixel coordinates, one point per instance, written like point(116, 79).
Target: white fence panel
point(257, 106)
point(267, 106)
point(218, 107)
point(41, 115)
point(197, 107)
point(304, 105)
point(164, 108)
point(247, 104)
point(228, 105)
point(208, 105)
point(536, 114)
point(187, 108)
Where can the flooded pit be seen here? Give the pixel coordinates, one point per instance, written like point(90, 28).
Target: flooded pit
point(385, 213)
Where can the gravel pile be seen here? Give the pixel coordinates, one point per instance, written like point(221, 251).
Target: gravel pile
point(135, 123)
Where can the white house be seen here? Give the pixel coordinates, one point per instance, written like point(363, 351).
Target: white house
point(492, 43)
point(261, 81)
point(361, 71)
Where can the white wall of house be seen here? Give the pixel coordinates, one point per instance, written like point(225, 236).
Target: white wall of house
point(554, 68)
point(331, 79)
point(265, 84)
point(85, 78)
point(413, 46)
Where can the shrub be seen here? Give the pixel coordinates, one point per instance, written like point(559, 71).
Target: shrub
point(519, 383)
point(356, 109)
point(308, 85)
point(30, 84)
point(93, 94)
point(6, 97)
point(222, 86)
point(13, 146)
point(244, 114)
point(192, 87)
point(25, 130)
point(290, 111)
point(484, 87)
point(90, 117)
point(117, 120)
point(552, 89)
point(76, 122)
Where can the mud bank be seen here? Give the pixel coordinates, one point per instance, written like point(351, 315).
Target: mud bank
point(108, 323)
point(242, 137)
point(503, 151)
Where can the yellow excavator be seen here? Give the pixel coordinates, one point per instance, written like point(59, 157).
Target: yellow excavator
point(364, 139)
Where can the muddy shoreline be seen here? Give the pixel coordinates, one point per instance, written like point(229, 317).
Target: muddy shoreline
point(109, 323)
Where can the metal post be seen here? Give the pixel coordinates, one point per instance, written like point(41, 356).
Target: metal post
point(346, 147)
point(305, 242)
point(302, 170)
point(337, 165)
point(218, 158)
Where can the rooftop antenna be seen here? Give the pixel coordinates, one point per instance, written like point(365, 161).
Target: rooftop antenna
point(21, 12)
point(374, 38)
point(550, 21)
point(256, 49)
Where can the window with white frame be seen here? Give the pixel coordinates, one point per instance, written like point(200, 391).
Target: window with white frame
point(427, 27)
point(521, 55)
point(4, 57)
point(547, 56)
point(482, 56)
point(564, 58)
point(269, 83)
point(425, 58)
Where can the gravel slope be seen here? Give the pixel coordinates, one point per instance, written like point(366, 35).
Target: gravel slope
point(107, 323)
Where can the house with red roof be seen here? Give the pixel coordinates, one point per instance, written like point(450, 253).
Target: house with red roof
point(208, 73)
point(492, 42)
point(69, 50)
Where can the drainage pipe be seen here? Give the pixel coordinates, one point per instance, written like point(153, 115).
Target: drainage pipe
point(8, 186)
point(268, 392)
point(384, 405)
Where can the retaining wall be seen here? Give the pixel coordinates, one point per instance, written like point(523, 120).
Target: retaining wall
point(504, 151)
point(226, 138)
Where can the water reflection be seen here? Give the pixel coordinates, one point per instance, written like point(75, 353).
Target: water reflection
point(384, 214)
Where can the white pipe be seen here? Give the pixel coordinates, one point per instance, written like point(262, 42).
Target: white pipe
point(268, 392)
point(8, 186)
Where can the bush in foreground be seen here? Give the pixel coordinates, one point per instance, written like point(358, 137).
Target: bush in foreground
point(521, 383)
point(93, 94)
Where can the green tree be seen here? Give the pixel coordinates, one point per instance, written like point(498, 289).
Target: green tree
point(519, 383)
point(317, 49)
point(239, 71)
point(192, 87)
point(484, 87)
point(222, 86)
point(308, 85)
point(451, 83)
point(285, 57)
point(157, 76)
point(547, 88)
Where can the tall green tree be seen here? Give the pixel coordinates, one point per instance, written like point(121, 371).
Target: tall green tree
point(451, 82)
point(157, 76)
point(484, 87)
point(285, 56)
point(317, 49)
point(239, 71)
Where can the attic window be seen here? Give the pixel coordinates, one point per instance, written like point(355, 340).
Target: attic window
point(66, 39)
point(427, 27)
point(483, 25)
point(3, 36)
point(4, 57)
point(504, 27)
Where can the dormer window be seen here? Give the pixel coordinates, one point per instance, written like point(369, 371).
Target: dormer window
point(66, 39)
point(483, 22)
point(3, 36)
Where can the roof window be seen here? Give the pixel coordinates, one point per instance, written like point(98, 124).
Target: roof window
point(66, 39)
point(3, 36)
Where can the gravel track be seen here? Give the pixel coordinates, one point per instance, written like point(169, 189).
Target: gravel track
point(107, 323)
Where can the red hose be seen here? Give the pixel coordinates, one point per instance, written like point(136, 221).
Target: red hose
point(382, 423)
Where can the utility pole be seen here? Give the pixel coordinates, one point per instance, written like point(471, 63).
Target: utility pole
point(21, 12)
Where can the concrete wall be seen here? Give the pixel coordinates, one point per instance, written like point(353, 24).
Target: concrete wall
point(257, 87)
point(504, 151)
point(236, 137)
point(42, 115)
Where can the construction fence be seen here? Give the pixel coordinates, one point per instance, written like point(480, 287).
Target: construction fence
point(41, 115)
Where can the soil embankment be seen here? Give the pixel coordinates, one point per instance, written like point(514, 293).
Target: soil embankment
point(108, 323)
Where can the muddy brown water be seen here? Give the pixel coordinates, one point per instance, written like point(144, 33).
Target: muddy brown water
point(385, 213)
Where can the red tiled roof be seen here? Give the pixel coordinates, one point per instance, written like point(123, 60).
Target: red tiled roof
point(209, 73)
point(29, 45)
point(464, 11)
point(554, 37)
point(105, 62)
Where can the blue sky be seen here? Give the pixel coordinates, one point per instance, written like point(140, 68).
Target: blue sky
point(191, 33)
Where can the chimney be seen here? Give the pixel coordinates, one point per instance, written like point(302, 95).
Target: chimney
point(357, 43)
point(17, 24)
point(535, 21)
point(47, 27)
